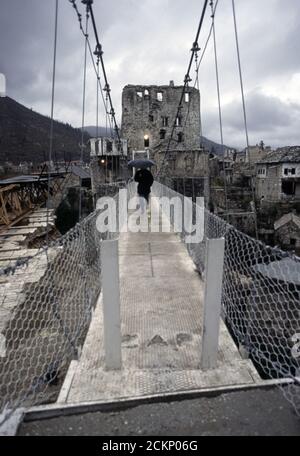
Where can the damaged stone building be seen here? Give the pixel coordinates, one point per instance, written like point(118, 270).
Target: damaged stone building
point(278, 197)
point(278, 177)
point(148, 116)
point(108, 164)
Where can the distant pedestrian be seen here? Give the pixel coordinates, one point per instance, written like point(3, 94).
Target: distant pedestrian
point(145, 180)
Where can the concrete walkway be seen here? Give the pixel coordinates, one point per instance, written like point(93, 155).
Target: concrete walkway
point(161, 315)
point(259, 412)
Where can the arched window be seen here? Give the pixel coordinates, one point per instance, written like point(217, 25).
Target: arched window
point(178, 121)
point(180, 137)
point(162, 134)
point(159, 96)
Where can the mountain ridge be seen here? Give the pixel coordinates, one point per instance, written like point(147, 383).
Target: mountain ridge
point(25, 135)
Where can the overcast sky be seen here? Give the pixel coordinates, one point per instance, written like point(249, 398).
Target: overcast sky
point(148, 42)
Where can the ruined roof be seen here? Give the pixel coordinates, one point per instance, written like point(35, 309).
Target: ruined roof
point(283, 155)
point(81, 172)
point(287, 218)
point(157, 87)
point(23, 180)
point(287, 270)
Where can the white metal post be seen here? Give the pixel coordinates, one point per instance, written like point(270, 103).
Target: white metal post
point(111, 304)
point(212, 302)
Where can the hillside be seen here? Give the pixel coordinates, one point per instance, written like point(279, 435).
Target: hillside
point(24, 135)
point(212, 146)
point(92, 131)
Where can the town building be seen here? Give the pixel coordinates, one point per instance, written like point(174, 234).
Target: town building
point(287, 232)
point(253, 154)
point(278, 176)
point(108, 163)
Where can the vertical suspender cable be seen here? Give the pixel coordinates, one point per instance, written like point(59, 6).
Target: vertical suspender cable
point(241, 78)
point(83, 112)
point(186, 81)
point(219, 104)
point(106, 119)
point(97, 114)
point(244, 108)
point(51, 117)
point(198, 88)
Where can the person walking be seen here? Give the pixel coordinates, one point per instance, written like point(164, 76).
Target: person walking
point(144, 178)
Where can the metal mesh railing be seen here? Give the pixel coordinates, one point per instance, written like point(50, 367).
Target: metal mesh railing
point(260, 299)
point(46, 305)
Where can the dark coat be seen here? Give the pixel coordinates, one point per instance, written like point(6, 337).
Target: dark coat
point(145, 180)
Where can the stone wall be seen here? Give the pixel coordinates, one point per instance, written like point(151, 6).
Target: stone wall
point(144, 114)
point(150, 111)
point(288, 237)
point(102, 177)
point(268, 189)
point(190, 163)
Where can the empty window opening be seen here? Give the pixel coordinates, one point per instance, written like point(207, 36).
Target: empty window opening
point(151, 117)
point(139, 95)
point(290, 171)
point(159, 96)
point(165, 121)
point(178, 121)
point(186, 97)
point(288, 188)
point(109, 146)
point(162, 134)
point(180, 137)
point(146, 93)
point(293, 242)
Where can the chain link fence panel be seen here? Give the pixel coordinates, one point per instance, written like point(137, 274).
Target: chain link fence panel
point(260, 298)
point(46, 305)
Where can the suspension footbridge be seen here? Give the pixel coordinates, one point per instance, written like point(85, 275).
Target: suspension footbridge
point(110, 317)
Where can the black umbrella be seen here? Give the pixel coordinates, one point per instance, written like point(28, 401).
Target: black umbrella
point(141, 163)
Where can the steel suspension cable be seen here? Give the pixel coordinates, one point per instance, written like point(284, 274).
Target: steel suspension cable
point(186, 81)
point(79, 17)
point(197, 83)
point(244, 109)
point(112, 111)
point(51, 117)
point(219, 104)
point(97, 104)
point(241, 77)
point(83, 111)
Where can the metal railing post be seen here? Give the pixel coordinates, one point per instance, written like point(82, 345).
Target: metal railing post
point(212, 302)
point(111, 304)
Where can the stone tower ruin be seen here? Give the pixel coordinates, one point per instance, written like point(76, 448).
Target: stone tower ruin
point(148, 115)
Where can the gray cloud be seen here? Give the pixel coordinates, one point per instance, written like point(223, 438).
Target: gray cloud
point(148, 42)
point(268, 119)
